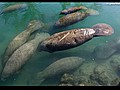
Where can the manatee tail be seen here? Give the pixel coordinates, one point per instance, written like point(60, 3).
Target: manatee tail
point(41, 36)
point(92, 12)
point(36, 80)
point(102, 29)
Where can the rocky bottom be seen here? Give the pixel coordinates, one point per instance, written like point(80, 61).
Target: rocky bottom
point(95, 74)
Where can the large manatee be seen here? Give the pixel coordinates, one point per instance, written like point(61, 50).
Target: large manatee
point(21, 38)
point(59, 67)
point(73, 38)
point(22, 55)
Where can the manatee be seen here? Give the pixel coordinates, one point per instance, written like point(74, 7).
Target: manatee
point(21, 38)
point(13, 8)
point(74, 18)
point(107, 50)
point(73, 38)
point(21, 56)
point(59, 67)
point(73, 9)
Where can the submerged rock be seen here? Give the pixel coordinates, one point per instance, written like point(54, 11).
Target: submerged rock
point(67, 80)
point(115, 63)
point(94, 74)
point(104, 75)
point(83, 74)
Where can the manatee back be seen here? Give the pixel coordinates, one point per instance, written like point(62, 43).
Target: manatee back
point(63, 65)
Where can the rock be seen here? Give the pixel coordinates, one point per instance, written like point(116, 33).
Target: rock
point(115, 62)
point(104, 75)
point(67, 80)
point(83, 74)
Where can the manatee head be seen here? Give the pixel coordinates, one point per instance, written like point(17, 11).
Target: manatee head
point(35, 24)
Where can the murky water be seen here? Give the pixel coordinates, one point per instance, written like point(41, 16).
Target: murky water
point(11, 24)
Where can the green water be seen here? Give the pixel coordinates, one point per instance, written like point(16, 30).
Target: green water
point(11, 24)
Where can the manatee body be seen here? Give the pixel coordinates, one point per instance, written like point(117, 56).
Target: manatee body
point(21, 38)
point(106, 50)
point(74, 18)
point(66, 40)
point(73, 38)
point(73, 9)
point(22, 55)
point(13, 8)
point(103, 52)
point(59, 67)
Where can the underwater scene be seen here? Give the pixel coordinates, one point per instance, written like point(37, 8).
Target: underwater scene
point(59, 44)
